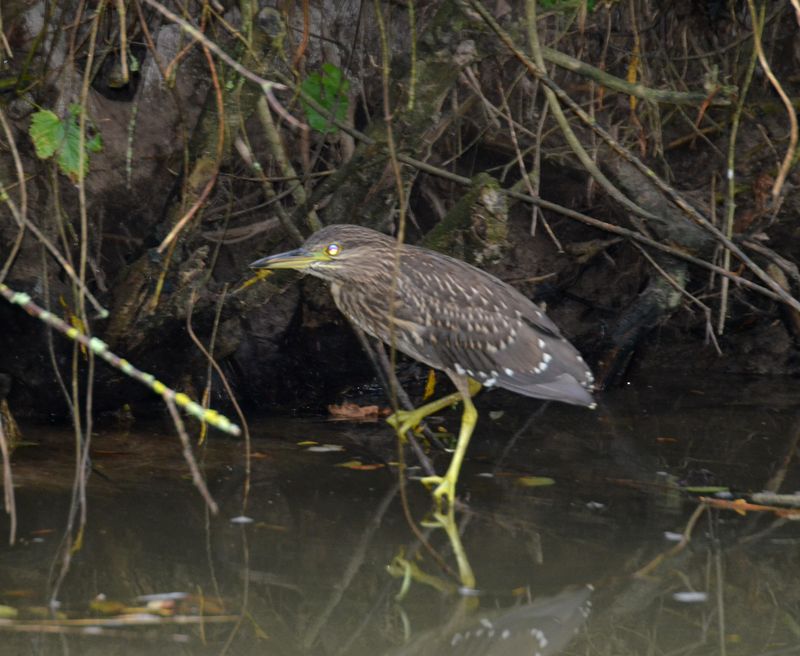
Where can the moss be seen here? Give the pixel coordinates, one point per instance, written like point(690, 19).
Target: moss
point(476, 228)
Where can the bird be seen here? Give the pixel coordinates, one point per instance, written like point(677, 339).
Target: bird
point(447, 314)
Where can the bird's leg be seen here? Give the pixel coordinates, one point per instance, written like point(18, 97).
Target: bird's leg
point(448, 522)
point(446, 485)
point(404, 420)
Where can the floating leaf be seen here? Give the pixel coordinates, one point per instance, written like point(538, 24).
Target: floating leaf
point(43, 531)
point(706, 489)
point(360, 466)
point(325, 448)
point(535, 481)
point(690, 597)
point(105, 606)
point(8, 612)
point(163, 596)
point(307, 443)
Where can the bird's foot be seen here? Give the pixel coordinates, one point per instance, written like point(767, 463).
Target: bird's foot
point(436, 518)
point(444, 492)
point(404, 420)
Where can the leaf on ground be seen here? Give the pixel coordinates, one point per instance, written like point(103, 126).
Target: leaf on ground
point(355, 412)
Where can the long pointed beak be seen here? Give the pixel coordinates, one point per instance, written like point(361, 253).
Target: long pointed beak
point(300, 259)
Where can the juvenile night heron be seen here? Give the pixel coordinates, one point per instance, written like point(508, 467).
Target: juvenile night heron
point(447, 314)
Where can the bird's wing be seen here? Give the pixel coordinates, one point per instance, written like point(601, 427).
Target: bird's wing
point(470, 323)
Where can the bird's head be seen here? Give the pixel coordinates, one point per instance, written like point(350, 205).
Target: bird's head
point(337, 253)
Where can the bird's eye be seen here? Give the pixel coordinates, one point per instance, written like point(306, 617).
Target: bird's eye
point(333, 249)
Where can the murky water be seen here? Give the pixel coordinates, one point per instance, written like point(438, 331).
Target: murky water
point(329, 564)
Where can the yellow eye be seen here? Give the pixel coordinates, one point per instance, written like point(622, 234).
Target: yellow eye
point(333, 249)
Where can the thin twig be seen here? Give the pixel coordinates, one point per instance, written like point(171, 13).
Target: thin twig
point(569, 135)
point(358, 555)
point(212, 180)
point(22, 220)
point(525, 177)
point(791, 152)
point(636, 90)
point(651, 175)
point(284, 163)
point(195, 33)
point(686, 536)
point(188, 456)
point(398, 178)
point(674, 283)
point(8, 486)
point(123, 40)
point(99, 347)
point(730, 200)
point(228, 390)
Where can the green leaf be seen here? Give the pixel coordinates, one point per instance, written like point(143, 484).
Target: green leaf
point(95, 144)
point(54, 136)
point(328, 88)
point(68, 157)
point(46, 132)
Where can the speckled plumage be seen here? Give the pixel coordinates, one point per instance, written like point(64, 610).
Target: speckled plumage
point(449, 315)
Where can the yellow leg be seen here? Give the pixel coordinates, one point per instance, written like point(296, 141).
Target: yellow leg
point(448, 523)
point(446, 486)
point(404, 420)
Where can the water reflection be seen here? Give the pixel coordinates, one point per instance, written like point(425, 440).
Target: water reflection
point(329, 564)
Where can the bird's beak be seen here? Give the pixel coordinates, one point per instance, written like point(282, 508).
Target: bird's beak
point(299, 259)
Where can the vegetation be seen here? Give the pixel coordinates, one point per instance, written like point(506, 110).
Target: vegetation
point(631, 164)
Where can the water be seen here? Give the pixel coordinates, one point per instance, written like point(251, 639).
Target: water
point(311, 570)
